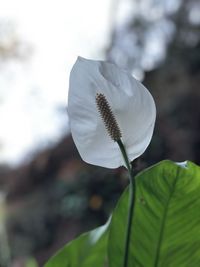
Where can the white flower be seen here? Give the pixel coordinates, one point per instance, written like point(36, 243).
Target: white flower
point(131, 103)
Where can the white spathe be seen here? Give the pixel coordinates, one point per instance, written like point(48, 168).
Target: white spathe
point(131, 103)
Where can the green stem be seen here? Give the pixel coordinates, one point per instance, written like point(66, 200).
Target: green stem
point(131, 203)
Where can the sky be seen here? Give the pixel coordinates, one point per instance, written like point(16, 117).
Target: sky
point(33, 92)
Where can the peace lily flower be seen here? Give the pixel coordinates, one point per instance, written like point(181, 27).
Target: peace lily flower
point(106, 103)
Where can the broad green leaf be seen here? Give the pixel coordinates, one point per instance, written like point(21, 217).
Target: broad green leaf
point(166, 221)
point(90, 249)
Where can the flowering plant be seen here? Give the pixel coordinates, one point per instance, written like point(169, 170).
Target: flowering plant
point(112, 118)
point(96, 90)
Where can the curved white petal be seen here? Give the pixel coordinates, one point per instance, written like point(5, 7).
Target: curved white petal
point(131, 103)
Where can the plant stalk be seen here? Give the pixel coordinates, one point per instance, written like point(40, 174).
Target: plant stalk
point(131, 202)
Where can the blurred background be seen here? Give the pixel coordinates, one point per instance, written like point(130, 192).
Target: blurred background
point(48, 195)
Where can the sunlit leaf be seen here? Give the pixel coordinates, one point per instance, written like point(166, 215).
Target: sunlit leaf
point(166, 222)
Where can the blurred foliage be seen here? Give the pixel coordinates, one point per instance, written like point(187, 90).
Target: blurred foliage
point(153, 31)
point(11, 47)
point(165, 46)
point(57, 196)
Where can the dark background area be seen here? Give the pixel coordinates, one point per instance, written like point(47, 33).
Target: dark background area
point(56, 195)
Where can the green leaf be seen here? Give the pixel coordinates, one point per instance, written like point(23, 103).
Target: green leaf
point(90, 249)
point(166, 221)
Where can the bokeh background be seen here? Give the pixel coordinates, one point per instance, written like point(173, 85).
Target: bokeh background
point(48, 195)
